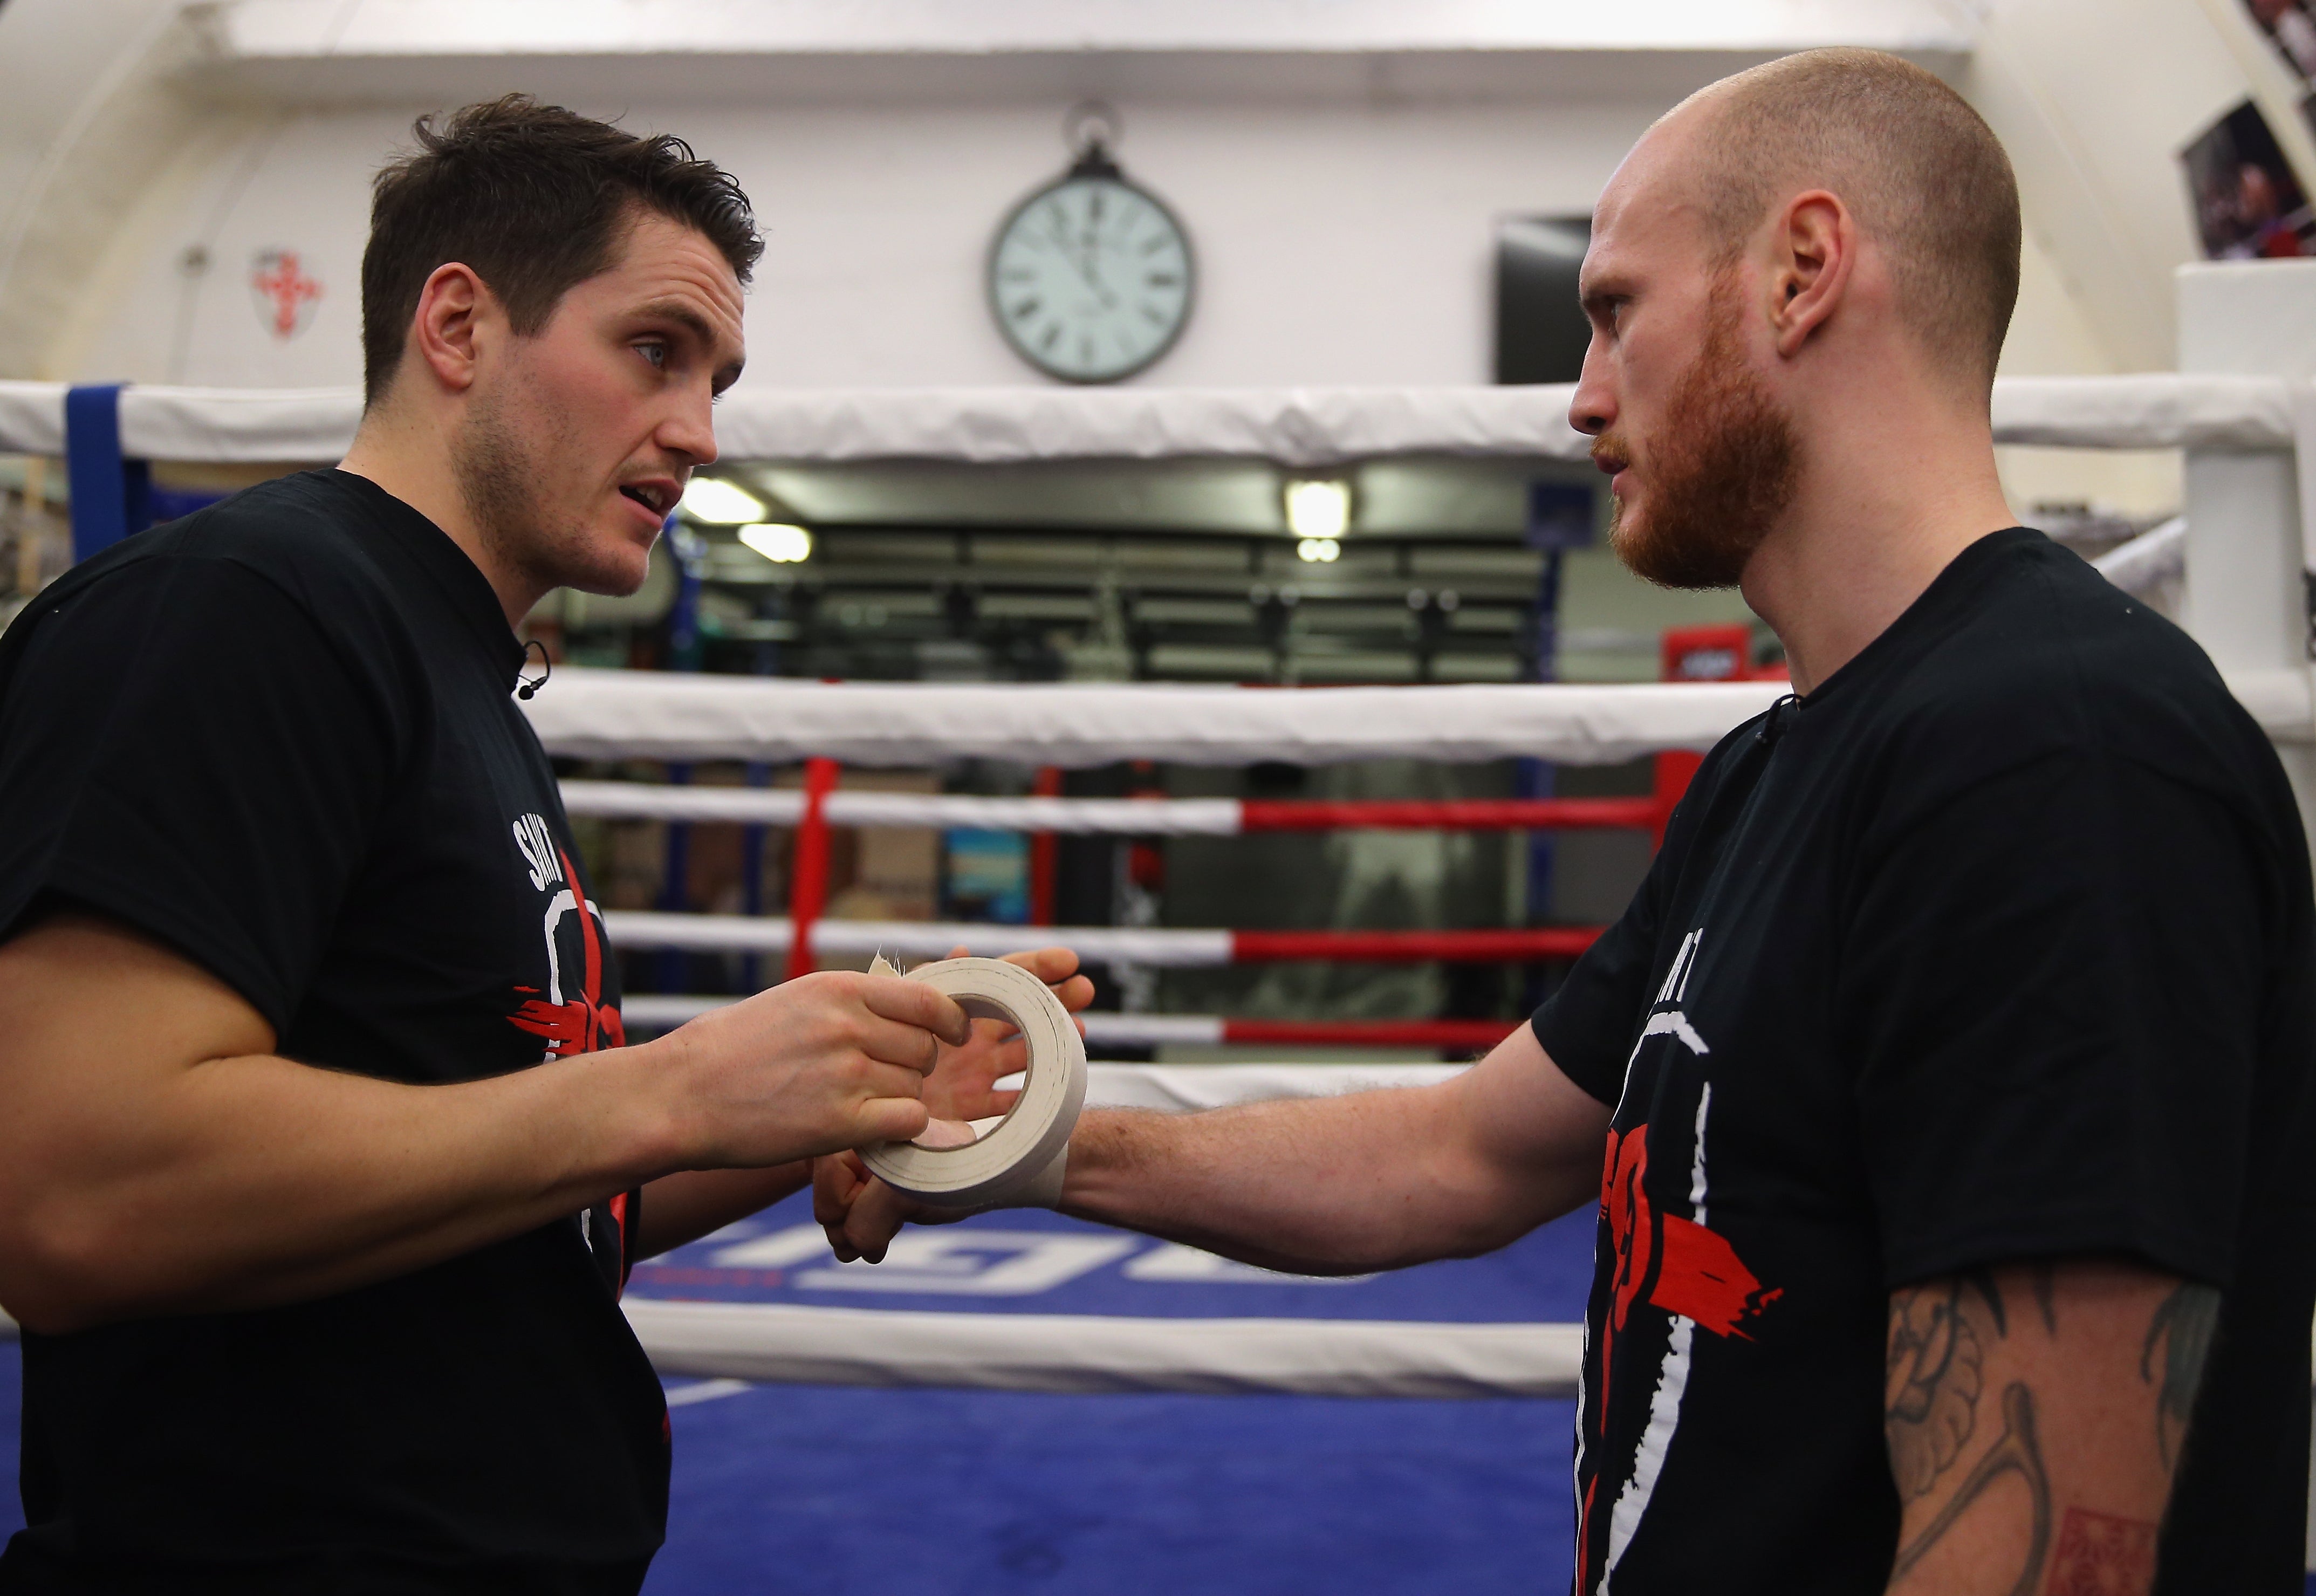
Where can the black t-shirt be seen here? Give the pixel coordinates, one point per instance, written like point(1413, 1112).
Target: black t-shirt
point(1997, 946)
point(279, 735)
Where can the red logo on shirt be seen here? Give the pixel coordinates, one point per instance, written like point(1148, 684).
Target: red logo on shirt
point(1698, 1274)
point(581, 1022)
point(1669, 1263)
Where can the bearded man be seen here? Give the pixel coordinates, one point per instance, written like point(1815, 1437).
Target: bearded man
point(1947, 1088)
point(322, 1158)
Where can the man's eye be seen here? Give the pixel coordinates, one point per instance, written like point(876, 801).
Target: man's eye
point(656, 353)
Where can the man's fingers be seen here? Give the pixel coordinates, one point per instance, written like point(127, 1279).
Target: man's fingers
point(889, 1120)
point(876, 1218)
point(1053, 965)
point(913, 1002)
point(889, 1041)
point(836, 1180)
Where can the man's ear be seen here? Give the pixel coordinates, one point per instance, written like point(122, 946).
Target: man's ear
point(1813, 251)
point(457, 318)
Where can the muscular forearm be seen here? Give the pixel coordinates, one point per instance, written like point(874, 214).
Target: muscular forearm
point(156, 1157)
point(252, 1181)
point(1315, 1186)
point(1372, 1180)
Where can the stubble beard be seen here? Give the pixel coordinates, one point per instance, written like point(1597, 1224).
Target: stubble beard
point(1721, 475)
point(499, 474)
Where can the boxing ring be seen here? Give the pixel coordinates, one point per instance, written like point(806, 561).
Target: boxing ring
point(1035, 1302)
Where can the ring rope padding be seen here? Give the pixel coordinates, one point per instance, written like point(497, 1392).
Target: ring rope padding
point(1017, 1149)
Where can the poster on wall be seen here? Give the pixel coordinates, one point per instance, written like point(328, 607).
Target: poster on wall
point(2291, 27)
point(2249, 205)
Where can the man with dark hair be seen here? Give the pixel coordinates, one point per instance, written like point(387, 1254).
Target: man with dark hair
point(1949, 1087)
point(322, 1157)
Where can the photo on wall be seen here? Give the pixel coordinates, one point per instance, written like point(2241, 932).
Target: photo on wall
point(2291, 26)
point(2249, 204)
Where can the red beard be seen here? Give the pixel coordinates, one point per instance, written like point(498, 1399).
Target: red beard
point(1721, 473)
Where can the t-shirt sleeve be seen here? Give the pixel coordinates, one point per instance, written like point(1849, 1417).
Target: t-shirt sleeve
point(1586, 1025)
point(2051, 987)
point(184, 750)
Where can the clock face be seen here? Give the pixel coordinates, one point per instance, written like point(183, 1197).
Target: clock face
point(1090, 279)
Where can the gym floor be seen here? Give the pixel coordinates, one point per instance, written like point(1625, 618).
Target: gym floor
point(940, 1493)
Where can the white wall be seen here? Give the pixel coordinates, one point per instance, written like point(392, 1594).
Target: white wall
point(1335, 244)
point(1343, 232)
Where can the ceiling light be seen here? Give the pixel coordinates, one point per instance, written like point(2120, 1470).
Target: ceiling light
point(1319, 551)
point(1318, 507)
point(782, 543)
point(719, 502)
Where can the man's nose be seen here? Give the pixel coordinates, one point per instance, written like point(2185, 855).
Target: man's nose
point(1593, 409)
point(690, 431)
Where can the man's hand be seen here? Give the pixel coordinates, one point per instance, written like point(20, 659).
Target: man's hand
point(683, 1206)
point(962, 1087)
point(1372, 1180)
point(821, 1063)
point(860, 1213)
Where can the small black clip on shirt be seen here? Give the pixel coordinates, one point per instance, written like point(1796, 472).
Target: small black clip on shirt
point(525, 686)
point(1774, 727)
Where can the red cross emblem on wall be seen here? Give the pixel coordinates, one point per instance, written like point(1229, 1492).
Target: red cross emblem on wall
point(285, 295)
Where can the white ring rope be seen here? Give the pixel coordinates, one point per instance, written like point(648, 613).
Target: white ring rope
point(1008, 1153)
point(916, 939)
point(648, 1013)
point(605, 715)
point(1172, 817)
point(1291, 426)
point(602, 714)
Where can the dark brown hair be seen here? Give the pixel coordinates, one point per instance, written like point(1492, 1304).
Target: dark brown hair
point(1921, 170)
point(537, 200)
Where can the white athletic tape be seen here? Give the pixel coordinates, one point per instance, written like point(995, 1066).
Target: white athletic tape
point(1016, 1153)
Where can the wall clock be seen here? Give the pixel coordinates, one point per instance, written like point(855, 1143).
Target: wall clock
point(1091, 277)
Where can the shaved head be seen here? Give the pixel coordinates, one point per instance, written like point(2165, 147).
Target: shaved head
point(1920, 170)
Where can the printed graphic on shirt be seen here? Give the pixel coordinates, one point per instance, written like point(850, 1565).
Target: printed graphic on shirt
point(571, 1015)
point(1670, 1262)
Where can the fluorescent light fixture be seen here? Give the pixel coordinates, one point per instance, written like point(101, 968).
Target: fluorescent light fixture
point(1318, 507)
point(782, 543)
point(1319, 551)
point(718, 503)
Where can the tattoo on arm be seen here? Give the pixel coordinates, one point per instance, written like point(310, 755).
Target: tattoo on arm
point(1930, 1387)
point(1930, 1392)
point(1944, 1354)
point(2183, 1325)
point(2015, 1451)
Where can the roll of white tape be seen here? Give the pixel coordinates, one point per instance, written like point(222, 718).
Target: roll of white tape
point(1013, 1151)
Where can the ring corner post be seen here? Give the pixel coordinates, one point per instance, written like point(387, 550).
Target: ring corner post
point(109, 492)
point(2248, 554)
point(808, 879)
